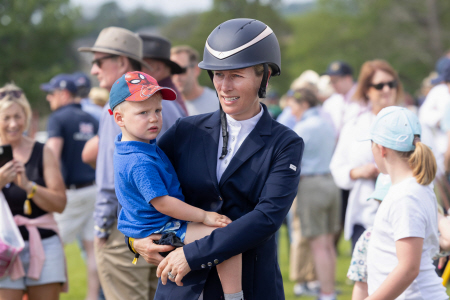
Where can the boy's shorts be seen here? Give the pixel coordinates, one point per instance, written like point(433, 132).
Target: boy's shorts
point(53, 270)
point(177, 226)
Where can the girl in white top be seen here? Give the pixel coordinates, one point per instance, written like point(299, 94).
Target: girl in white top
point(405, 232)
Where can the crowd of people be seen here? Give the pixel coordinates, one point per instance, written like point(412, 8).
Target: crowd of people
point(197, 182)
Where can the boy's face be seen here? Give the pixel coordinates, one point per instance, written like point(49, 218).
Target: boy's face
point(140, 121)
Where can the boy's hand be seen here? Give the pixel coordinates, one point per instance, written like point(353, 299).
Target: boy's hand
point(215, 220)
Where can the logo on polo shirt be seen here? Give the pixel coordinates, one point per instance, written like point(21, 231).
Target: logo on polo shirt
point(86, 132)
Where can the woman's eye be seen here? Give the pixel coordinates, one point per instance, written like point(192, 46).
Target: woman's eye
point(218, 74)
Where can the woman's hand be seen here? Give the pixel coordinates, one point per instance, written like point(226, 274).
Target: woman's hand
point(21, 179)
point(149, 250)
point(215, 220)
point(368, 171)
point(8, 173)
point(176, 264)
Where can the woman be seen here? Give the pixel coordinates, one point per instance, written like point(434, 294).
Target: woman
point(237, 161)
point(318, 198)
point(352, 166)
point(33, 187)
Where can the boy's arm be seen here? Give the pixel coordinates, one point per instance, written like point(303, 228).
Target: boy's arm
point(409, 252)
point(178, 209)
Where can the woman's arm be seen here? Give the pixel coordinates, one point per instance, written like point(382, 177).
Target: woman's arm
point(53, 197)
point(409, 253)
point(90, 151)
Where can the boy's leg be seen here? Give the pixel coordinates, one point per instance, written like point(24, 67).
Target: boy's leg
point(230, 271)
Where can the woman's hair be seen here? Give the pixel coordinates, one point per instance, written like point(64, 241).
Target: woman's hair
point(10, 97)
point(422, 162)
point(368, 69)
point(305, 95)
point(99, 96)
point(259, 69)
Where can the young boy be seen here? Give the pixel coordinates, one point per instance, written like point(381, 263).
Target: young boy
point(147, 186)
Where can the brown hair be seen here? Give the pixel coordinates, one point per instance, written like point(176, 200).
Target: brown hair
point(305, 95)
point(368, 69)
point(259, 70)
point(422, 162)
point(191, 52)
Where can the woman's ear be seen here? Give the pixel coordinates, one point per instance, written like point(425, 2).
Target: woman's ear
point(383, 150)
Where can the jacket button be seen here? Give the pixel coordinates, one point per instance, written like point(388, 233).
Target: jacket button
point(209, 264)
point(203, 266)
point(216, 261)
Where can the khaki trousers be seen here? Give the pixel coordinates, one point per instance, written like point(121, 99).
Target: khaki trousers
point(301, 259)
point(120, 279)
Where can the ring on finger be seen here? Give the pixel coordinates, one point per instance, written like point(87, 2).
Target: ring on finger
point(171, 276)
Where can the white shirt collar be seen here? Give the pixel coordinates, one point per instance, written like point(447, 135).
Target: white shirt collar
point(245, 125)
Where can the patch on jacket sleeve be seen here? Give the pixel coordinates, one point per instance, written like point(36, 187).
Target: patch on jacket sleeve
point(293, 167)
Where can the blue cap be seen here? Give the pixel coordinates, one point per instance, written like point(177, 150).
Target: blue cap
point(60, 82)
point(381, 187)
point(443, 69)
point(81, 80)
point(395, 128)
point(339, 68)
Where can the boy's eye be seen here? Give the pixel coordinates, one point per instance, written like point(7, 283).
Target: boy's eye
point(158, 111)
point(143, 112)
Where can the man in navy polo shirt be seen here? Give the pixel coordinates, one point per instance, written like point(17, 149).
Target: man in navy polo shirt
point(69, 127)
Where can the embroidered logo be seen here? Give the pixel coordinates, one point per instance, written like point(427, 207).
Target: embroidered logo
point(293, 167)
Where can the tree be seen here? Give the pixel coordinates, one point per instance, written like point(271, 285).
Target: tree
point(35, 36)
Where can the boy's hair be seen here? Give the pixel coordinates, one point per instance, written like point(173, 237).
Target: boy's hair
point(422, 162)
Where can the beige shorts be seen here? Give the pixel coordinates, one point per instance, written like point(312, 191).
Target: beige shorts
point(319, 205)
point(77, 219)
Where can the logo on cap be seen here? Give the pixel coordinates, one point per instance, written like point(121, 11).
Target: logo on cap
point(335, 66)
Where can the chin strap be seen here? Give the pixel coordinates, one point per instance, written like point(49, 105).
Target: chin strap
point(223, 123)
point(264, 82)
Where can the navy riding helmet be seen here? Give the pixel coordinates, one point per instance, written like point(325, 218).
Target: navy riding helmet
point(238, 44)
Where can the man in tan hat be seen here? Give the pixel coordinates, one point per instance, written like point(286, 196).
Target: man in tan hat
point(116, 51)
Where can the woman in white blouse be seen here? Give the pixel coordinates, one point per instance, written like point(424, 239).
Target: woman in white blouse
point(352, 166)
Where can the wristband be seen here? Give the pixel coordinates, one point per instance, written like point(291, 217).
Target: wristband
point(130, 243)
point(27, 204)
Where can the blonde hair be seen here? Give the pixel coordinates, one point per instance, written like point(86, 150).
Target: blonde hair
point(422, 163)
point(99, 96)
point(9, 100)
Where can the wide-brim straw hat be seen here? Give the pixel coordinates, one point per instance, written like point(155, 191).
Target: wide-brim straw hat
point(118, 41)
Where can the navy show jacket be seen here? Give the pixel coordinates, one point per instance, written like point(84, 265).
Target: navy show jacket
point(255, 191)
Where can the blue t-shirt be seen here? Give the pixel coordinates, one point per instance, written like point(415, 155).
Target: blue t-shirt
point(142, 172)
point(75, 127)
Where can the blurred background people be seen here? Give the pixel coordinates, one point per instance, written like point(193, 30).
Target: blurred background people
point(99, 96)
point(83, 84)
point(318, 198)
point(32, 178)
point(353, 166)
point(69, 127)
point(197, 99)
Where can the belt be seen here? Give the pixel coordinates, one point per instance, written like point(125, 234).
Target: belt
point(79, 185)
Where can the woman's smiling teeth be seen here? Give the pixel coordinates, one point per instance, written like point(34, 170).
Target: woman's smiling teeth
point(230, 98)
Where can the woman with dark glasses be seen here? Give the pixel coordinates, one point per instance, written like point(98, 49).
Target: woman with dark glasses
point(33, 188)
point(353, 166)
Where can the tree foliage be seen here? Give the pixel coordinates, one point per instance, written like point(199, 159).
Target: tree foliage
point(35, 36)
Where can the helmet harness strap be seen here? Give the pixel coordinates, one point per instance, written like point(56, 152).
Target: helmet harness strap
point(264, 81)
point(223, 122)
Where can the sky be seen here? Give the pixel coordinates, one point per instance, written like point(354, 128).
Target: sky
point(170, 7)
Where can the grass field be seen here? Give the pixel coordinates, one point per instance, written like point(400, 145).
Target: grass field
point(77, 271)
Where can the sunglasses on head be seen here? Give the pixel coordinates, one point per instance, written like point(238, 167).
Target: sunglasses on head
point(15, 94)
point(379, 86)
point(98, 61)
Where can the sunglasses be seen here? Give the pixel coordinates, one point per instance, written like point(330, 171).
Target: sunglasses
point(15, 94)
point(379, 86)
point(184, 69)
point(98, 61)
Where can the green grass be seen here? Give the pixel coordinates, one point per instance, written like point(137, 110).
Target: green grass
point(77, 271)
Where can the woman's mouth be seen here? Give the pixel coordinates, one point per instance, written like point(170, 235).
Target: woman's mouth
point(230, 99)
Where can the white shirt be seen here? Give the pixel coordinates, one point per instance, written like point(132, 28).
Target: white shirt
point(237, 133)
point(430, 115)
point(349, 154)
point(408, 210)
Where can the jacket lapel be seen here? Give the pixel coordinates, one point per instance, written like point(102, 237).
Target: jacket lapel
point(252, 144)
point(211, 144)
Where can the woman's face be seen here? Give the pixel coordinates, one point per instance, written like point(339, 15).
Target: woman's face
point(298, 109)
point(238, 92)
point(12, 123)
point(383, 91)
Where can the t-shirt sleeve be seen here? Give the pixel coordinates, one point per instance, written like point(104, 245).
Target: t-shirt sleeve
point(148, 181)
point(407, 218)
point(54, 127)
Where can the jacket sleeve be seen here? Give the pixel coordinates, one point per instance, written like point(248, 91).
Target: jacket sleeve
point(340, 165)
point(263, 221)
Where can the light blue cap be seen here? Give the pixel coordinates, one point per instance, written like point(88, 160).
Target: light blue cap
point(381, 187)
point(395, 128)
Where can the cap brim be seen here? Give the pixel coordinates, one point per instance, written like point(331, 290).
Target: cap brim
point(166, 93)
point(115, 52)
point(437, 80)
point(377, 195)
point(47, 87)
